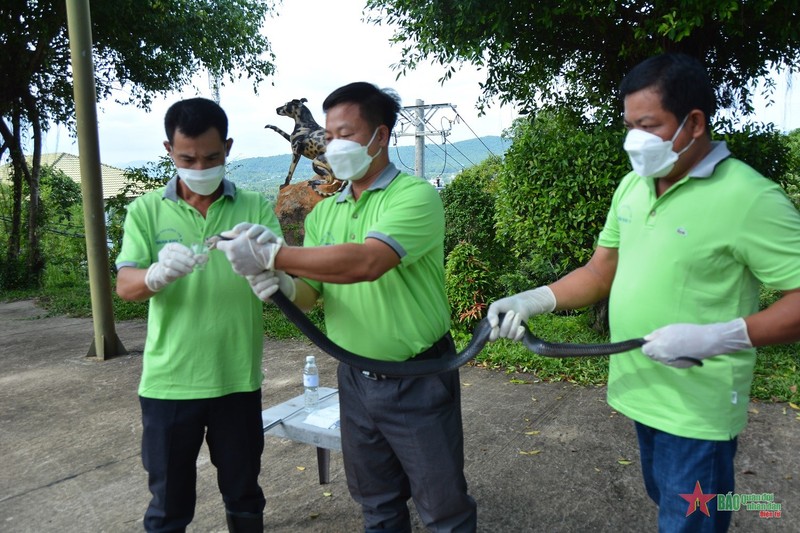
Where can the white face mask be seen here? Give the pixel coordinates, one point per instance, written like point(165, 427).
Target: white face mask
point(203, 182)
point(348, 159)
point(650, 155)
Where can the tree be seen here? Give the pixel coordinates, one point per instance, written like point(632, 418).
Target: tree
point(145, 48)
point(575, 53)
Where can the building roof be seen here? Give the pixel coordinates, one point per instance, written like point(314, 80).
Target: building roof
point(70, 164)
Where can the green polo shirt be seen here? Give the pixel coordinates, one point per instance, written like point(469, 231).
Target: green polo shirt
point(204, 330)
point(406, 310)
point(697, 254)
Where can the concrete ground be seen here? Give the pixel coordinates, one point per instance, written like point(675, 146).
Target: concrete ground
point(539, 456)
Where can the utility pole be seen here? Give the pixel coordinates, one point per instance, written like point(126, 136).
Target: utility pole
point(106, 343)
point(413, 121)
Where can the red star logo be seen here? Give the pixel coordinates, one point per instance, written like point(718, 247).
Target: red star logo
point(697, 500)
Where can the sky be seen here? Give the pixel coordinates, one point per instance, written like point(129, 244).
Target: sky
point(328, 55)
point(321, 45)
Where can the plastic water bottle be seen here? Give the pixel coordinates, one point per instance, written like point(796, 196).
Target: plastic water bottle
point(311, 384)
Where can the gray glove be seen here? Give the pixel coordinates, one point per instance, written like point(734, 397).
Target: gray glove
point(671, 343)
point(518, 309)
point(252, 251)
point(174, 261)
point(268, 282)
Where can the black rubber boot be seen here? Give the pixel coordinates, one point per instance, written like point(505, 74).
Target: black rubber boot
point(245, 522)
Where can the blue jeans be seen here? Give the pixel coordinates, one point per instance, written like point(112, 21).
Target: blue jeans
point(673, 465)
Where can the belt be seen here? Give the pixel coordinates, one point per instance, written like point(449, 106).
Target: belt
point(441, 348)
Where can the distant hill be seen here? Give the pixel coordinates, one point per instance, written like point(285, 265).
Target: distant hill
point(266, 174)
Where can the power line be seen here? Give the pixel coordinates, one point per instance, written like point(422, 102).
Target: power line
point(397, 151)
point(473, 131)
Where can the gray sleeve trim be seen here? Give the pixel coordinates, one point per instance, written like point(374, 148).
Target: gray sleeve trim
point(127, 264)
point(398, 249)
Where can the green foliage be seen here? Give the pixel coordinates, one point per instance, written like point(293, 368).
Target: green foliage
point(574, 54)
point(60, 221)
point(759, 145)
point(529, 272)
point(469, 284)
point(554, 192)
point(143, 47)
point(63, 241)
point(469, 211)
point(138, 181)
point(140, 49)
point(791, 179)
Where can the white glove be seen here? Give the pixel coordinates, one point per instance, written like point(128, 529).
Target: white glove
point(254, 231)
point(174, 261)
point(518, 309)
point(249, 257)
point(268, 282)
point(673, 344)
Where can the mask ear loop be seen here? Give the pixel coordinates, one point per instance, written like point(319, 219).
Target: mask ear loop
point(678, 131)
point(683, 123)
point(374, 134)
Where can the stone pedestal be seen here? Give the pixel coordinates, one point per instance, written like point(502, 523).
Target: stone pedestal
point(294, 202)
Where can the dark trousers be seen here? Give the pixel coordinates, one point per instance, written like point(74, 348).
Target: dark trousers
point(173, 432)
point(402, 438)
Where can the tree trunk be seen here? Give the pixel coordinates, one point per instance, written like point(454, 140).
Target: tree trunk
point(35, 258)
point(12, 139)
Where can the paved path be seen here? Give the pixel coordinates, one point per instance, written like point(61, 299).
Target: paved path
point(540, 456)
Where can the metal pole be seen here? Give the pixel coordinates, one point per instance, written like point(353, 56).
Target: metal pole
point(419, 141)
point(106, 343)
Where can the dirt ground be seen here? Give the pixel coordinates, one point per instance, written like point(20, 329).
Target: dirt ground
point(539, 456)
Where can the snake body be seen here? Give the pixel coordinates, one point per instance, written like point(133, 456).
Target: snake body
point(480, 336)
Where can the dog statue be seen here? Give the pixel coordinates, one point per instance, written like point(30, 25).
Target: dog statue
point(307, 139)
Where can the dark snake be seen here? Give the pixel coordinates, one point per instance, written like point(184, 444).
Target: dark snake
point(480, 336)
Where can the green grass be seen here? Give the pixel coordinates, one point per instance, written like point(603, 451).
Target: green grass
point(776, 377)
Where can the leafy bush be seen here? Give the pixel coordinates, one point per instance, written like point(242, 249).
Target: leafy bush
point(762, 147)
point(469, 285)
point(469, 212)
point(61, 238)
point(560, 174)
point(791, 179)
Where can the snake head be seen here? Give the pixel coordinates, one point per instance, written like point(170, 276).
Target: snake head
point(212, 241)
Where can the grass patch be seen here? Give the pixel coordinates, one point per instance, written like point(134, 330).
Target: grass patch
point(513, 357)
point(277, 326)
point(775, 376)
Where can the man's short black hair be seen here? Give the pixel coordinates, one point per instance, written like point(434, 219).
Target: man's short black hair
point(193, 117)
point(680, 79)
point(377, 106)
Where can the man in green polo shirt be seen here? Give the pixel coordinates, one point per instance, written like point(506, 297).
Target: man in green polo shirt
point(375, 255)
point(201, 374)
point(690, 236)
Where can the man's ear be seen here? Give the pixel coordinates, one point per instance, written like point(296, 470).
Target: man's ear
point(228, 145)
point(696, 122)
point(383, 135)
point(168, 147)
